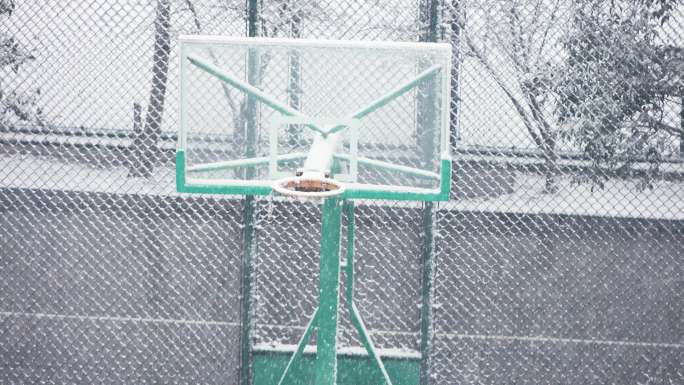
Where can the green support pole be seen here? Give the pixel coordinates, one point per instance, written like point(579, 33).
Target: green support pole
point(349, 267)
point(249, 239)
point(329, 293)
point(427, 291)
point(246, 316)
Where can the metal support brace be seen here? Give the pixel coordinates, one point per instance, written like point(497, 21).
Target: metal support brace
point(425, 76)
point(303, 341)
point(349, 295)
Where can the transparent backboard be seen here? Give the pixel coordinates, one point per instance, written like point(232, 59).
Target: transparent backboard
point(252, 108)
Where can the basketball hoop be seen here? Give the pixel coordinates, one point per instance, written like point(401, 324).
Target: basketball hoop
point(333, 160)
point(308, 187)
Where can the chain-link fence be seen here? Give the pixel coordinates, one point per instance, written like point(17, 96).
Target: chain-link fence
point(558, 259)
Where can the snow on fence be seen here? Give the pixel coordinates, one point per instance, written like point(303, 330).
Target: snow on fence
point(557, 260)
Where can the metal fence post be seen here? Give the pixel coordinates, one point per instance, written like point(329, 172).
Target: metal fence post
point(429, 16)
point(681, 126)
point(455, 39)
point(429, 20)
point(249, 213)
point(427, 292)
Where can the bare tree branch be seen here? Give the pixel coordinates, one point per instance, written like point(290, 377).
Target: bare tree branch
point(549, 26)
point(235, 110)
point(529, 125)
point(521, 40)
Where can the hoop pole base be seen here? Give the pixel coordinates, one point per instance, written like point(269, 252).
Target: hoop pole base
point(325, 317)
point(329, 293)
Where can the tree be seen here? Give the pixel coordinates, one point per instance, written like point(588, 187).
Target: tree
point(145, 142)
point(16, 107)
point(517, 43)
point(616, 83)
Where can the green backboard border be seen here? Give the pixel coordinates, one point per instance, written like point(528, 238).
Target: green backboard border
point(263, 187)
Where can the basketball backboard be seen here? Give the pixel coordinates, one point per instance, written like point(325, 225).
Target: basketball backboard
point(370, 118)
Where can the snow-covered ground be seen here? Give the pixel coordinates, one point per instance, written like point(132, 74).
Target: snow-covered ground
point(26, 171)
point(618, 198)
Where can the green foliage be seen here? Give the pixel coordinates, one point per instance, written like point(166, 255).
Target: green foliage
point(20, 107)
point(612, 89)
point(6, 7)
point(12, 53)
point(659, 9)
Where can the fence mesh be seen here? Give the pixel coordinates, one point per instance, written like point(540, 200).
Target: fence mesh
point(558, 259)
